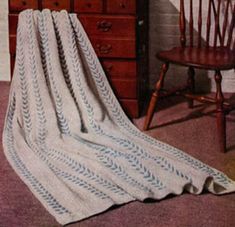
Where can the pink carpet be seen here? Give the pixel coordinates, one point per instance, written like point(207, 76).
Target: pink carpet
point(179, 126)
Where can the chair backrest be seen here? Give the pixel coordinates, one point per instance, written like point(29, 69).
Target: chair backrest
point(220, 18)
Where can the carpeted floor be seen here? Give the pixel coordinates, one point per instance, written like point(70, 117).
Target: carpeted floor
point(178, 126)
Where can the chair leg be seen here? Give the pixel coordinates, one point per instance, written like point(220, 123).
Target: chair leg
point(155, 96)
point(191, 84)
point(220, 113)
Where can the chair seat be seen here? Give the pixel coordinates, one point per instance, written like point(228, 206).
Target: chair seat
point(219, 58)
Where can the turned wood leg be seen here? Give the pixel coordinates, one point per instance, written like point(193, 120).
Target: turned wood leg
point(191, 84)
point(155, 96)
point(220, 113)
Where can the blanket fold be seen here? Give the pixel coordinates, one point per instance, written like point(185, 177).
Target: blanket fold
point(67, 137)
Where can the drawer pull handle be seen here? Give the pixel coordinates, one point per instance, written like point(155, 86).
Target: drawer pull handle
point(104, 26)
point(56, 4)
point(88, 5)
point(24, 3)
point(109, 68)
point(104, 49)
point(122, 5)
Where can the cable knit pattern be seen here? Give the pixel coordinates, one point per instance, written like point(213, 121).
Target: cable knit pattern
point(67, 137)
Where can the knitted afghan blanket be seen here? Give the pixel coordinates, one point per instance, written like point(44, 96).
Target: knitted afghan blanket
point(67, 137)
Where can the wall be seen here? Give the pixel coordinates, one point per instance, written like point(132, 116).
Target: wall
point(4, 49)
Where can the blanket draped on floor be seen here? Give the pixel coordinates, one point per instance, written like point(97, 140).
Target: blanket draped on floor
point(67, 137)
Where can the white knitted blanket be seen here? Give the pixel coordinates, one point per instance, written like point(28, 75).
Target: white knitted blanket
point(67, 137)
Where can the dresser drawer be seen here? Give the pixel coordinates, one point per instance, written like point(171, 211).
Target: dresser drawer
point(13, 20)
point(115, 48)
point(120, 68)
point(88, 6)
point(121, 6)
point(18, 5)
point(124, 88)
point(13, 57)
point(56, 4)
point(12, 43)
point(116, 26)
point(130, 106)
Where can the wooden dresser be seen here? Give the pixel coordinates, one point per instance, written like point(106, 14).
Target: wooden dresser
point(118, 30)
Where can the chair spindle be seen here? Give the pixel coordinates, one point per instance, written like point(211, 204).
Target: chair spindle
point(231, 29)
point(200, 23)
point(217, 25)
point(191, 23)
point(225, 23)
point(208, 24)
point(182, 24)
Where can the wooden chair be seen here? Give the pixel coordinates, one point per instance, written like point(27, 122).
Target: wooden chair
point(216, 53)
